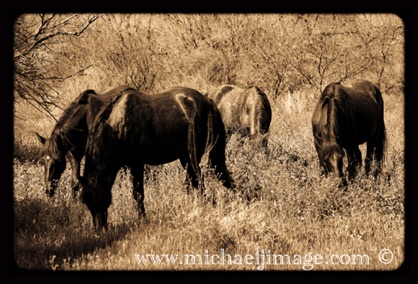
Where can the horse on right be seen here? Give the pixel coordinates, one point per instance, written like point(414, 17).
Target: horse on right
point(245, 111)
point(345, 117)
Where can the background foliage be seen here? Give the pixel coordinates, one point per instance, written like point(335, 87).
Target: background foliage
point(58, 56)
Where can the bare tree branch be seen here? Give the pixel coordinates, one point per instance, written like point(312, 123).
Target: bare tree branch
point(35, 57)
point(60, 33)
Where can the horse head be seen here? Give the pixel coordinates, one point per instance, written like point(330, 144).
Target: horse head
point(332, 161)
point(53, 161)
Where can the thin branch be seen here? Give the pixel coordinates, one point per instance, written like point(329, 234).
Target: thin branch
point(60, 33)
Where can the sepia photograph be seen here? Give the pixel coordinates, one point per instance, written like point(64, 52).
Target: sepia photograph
point(208, 142)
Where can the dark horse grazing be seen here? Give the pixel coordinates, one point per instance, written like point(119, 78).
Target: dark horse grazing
point(134, 129)
point(244, 111)
point(345, 117)
point(69, 137)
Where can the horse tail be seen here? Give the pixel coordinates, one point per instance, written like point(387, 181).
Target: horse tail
point(263, 112)
point(192, 145)
point(217, 141)
point(260, 123)
point(381, 139)
point(381, 145)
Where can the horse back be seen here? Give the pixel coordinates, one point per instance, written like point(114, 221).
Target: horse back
point(362, 89)
point(220, 93)
point(258, 108)
point(356, 107)
point(229, 101)
point(156, 127)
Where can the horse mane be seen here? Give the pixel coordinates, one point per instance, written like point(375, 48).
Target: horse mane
point(101, 140)
point(60, 133)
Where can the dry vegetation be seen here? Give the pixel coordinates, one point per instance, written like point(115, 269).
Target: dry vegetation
point(295, 212)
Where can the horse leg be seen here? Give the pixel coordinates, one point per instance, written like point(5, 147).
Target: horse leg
point(263, 132)
point(147, 174)
point(357, 159)
point(193, 173)
point(138, 188)
point(228, 134)
point(217, 161)
point(264, 142)
point(375, 150)
point(354, 160)
point(75, 161)
point(100, 221)
point(323, 170)
point(257, 132)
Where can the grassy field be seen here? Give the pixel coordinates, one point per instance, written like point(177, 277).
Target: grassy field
point(295, 221)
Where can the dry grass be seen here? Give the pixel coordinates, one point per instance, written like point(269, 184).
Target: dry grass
point(292, 212)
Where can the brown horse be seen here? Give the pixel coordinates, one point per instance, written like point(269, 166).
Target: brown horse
point(134, 129)
point(345, 117)
point(69, 137)
point(244, 111)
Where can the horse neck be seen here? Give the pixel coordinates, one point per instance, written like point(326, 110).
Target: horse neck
point(55, 146)
point(71, 129)
point(102, 146)
point(72, 137)
point(101, 174)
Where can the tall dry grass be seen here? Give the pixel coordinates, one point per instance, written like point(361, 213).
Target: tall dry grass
point(292, 211)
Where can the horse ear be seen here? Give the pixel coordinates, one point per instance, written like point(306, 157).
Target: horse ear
point(84, 96)
point(40, 138)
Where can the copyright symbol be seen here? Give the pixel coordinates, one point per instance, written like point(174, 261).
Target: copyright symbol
point(385, 256)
